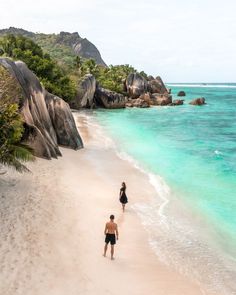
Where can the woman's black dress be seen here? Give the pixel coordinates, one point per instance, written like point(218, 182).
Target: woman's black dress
point(123, 197)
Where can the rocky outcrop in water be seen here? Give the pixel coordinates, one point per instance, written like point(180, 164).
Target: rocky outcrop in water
point(136, 85)
point(198, 101)
point(140, 102)
point(109, 99)
point(86, 91)
point(156, 85)
point(161, 99)
point(42, 120)
point(177, 102)
point(181, 93)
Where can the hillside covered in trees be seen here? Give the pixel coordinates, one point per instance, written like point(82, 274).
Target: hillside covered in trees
point(60, 78)
point(62, 47)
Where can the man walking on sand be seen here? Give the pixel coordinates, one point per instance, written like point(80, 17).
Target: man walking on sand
point(111, 233)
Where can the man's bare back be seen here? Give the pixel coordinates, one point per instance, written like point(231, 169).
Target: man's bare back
point(111, 228)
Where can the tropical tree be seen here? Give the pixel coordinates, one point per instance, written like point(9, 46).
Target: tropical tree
point(12, 152)
point(53, 77)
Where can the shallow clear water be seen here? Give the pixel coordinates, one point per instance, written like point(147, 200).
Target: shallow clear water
point(193, 150)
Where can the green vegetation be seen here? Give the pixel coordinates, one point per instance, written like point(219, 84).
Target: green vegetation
point(12, 152)
point(62, 53)
point(111, 77)
point(52, 76)
point(61, 76)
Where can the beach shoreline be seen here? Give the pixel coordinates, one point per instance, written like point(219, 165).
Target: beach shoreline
point(53, 221)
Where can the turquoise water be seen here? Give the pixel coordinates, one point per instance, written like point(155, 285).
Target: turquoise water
point(193, 149)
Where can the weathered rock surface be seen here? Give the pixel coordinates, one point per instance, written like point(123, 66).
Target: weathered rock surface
point(181, 93)
point(40, 132)
point(136, 85)
point(138, 103)
point(109, 99)
point(86, 49)
point(63, 121)
point(86, 91)
point(156, 85)
point(198, 101)
point(161, 99)
point(177, 102)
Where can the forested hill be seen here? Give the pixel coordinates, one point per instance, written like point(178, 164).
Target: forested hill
point(63, 46)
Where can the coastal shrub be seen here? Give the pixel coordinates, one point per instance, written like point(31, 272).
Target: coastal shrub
point(12, 152)
point(53, 77)
point(112, 77)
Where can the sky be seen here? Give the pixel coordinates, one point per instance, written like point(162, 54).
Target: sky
point(181, 40)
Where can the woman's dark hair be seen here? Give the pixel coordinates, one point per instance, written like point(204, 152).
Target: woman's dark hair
point(123, 184)
point(112, 217)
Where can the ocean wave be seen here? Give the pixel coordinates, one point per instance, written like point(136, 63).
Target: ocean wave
point(162, 189)
point(202, 86)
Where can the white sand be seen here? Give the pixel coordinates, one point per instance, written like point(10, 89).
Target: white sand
point(52, 224)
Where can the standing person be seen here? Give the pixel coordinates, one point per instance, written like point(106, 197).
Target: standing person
point(111, 233)
point(123, 197)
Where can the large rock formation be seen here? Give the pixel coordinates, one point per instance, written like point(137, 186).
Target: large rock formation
point(156, 85)
point(40, 128)
point(86, 91)
point(109, 99)
point(138, 103)
point(86, 49)
point(198, 101)
point(62, 121)
point(136, 85)
point(161, 99)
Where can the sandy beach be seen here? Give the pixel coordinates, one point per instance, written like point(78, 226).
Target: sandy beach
point(52, 224)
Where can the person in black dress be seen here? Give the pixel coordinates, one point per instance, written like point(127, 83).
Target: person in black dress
point(123, 197)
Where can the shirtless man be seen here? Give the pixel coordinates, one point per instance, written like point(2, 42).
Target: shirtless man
point(111, 233)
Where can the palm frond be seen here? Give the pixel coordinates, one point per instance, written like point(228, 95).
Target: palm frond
point(11, 161)
point(23, 153)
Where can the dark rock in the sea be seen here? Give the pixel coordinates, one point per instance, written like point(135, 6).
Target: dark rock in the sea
point(63, 122)
point(136, 85)
point(40, 132)
point(177, 102)
point(198, 101)
point(157, 86)
point(86, 91)
point(138, 103)
point(181, 93)
point(144, 101)
point(161, 99)
point(109, 99)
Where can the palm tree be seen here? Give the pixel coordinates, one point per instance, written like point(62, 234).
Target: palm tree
point(12, 152)
point(15, 155)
